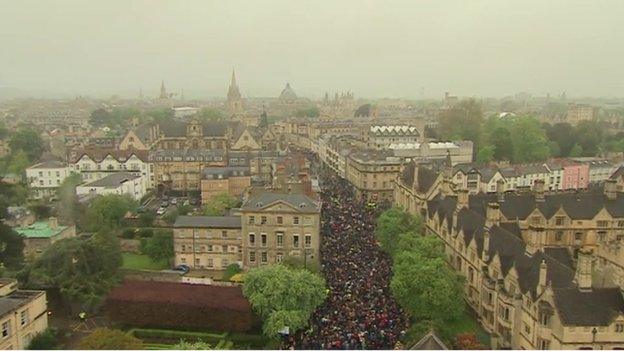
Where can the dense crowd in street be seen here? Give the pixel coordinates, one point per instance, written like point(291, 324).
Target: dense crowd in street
point(359, 312)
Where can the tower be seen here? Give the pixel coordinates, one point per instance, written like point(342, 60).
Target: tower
point(234, 99)
point(163, 91)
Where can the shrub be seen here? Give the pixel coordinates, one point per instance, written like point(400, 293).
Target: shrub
point(128, 233)
point(46, 340)
point(146, 232)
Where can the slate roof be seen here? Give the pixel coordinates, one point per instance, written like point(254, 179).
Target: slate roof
point(426, 176)
point(588, 308)
point(187, 154)
point(50, 164)
point(98, 155)
point(224, 172)
point(232, 222)
point(300, 202)
point(16, 299)
point(112, 180)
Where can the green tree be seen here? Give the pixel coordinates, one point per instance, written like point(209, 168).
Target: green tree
point(589, 135)
point(68, 208)
point(189, 345)
point(160, 115)
point(393, 222)
point(563, 135)
point(18, 162)
point(11, 247)
point(46, 340)
point(308, 112)
point(219, 205)
point(110, 339)
point(462, 121)
point(231, 271)
point(529, 140)
point(107, 212)
point(283, 297)
point(424, 285)
point(159, 247)
point(147, 218)
point(84, 270)
point(100, 117)
point(28, 141)
point(210, 114)
point(577, 151)
point(486, 154)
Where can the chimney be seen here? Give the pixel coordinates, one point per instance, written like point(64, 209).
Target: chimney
point(492, 216)
point(538, 189)
point(542, 277)
point(534, 236)
point(485, 254)
point(583, 275)
point(610, 189)
point(53, 222)
point(500, 190)
point(462, 198)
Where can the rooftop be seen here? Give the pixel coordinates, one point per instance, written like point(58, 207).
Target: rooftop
point(207, 222)
point(113, 180)
point(263, 200)
point(49, 164)
point(40, 229)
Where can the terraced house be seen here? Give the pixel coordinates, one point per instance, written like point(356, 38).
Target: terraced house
point(531, 260)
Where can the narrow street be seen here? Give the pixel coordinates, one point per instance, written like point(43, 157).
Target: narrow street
point(359, 312)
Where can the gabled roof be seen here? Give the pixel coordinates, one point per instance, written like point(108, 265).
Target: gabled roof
point(597, 306)
point(299, 202)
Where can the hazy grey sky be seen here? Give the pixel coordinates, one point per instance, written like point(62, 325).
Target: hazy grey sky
point(374, 48)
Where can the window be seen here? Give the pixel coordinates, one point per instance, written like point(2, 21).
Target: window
point(197, 262)
point(210, 263)
point(263, 240)
point(252, 256)
point(279, 236)
point(6, 329)
point(252, 239)
point(603, 223)
point(544, 319)
point(183, 260)
point(24, 318)
point(619, 327)
point(504, 313)
point(279, 257)
point(295, 220)
point(602, 235)
point(295, 240)
point(252, 219)
point(280, 219)
point(527, 329)
point(578, 236)
point(308, 240)
point(224, 263)
point(210, 248)
point(224, 248)
point(264, 257)
point(224, 233)
point(544, 344)
point(559, 235)
point(559, 220)
point(263, 220)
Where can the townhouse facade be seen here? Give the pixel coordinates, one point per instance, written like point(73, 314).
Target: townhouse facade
point(229, 180)
point(38, 236)
point(133, 184)
point(372, 173)
point(44, 178)
point(95, 164)
point(23, 315)
point(276, 226)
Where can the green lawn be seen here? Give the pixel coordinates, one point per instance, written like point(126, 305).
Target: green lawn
point(467, 324)
point(136, 261)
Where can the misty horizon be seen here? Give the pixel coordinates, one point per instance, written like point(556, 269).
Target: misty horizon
point(401, 49)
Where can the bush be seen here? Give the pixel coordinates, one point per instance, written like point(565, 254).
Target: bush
point(128, 233)
point(176, 335)
point(231, 270)
point(46, 340)
point(146, 232)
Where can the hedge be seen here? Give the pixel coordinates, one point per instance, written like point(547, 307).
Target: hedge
point(176, 335)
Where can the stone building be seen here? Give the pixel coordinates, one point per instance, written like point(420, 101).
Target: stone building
point(44, 178)
point(229, 180)
point(207, 242)
point(38, 236)
point(278, 225)
point(23, 314)
point(528, 258)
point(372, 173)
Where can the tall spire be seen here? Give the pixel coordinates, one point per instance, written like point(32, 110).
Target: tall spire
point(233, 80)
point(233, 92)
point(163, 91)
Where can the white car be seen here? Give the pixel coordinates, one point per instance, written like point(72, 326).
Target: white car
point(161, 211)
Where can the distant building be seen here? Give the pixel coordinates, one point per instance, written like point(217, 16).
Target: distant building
point(579, 112)
point(276, 226)
point(44, 178)
point(40, 235)
point(118, 183)
point(22, 315)
point(234, 98)
point(288, 95)
point(460, 151)
point(206, 242)
point(185, 111)
point(94, 164)
point(380, 137)
point(372, 173)
point(229, 180)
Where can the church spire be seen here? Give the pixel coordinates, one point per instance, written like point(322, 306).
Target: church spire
point(233, 92)
point(163, 91)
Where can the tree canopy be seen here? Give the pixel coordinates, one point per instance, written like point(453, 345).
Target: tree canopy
point(110, 339)
point(219, 205)
point(158, 247)
point(84, 270)
point(463, 120)
point(393, 222)
point(210, 114)
point(28, 141)
point(11, 247)
point(107, 212)
point(283, 297)
point(308, 112)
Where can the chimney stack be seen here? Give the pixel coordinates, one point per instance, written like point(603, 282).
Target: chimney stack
point(539, 189)
point(610, 189)
point(542, 277)
point(492, 216)
point(534, 236)
point(462, 198)
point(53, 222)
point(485, 254)
point(500, 190)
point(583, 275)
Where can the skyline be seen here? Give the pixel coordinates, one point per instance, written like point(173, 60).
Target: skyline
point(405, 50)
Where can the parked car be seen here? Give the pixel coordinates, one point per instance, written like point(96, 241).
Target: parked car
point(193, 201)
point(182, 268)
point(161, 211)
point(164, 204)
point(174, 201)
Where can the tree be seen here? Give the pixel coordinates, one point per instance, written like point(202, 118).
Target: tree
point(563, 135)
point(68, 208)
point(283, 297)
point(99, 117)
point(308, 112)
point(529, 140)
point(462, 121)
point(159, 115)
point(147, 218)
point(18, 162)
point(486, 154)
point(210, 114)
point(84, 270)
point(46, 340)
point(391, 223)
point(188, 345)
point(577, 151)
point(40, 209)
point(159, 247)
point(231, 271)
point(107, 212)
point(11, 247)
point(467, 341)
point(29, 141)
point(219, 205)
point(588, 135)
point(110, 339)
point(424, 285)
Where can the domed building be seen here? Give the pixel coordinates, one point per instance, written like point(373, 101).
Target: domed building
point(288, 94)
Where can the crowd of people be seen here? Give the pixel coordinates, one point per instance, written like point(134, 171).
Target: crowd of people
point(359, 312)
